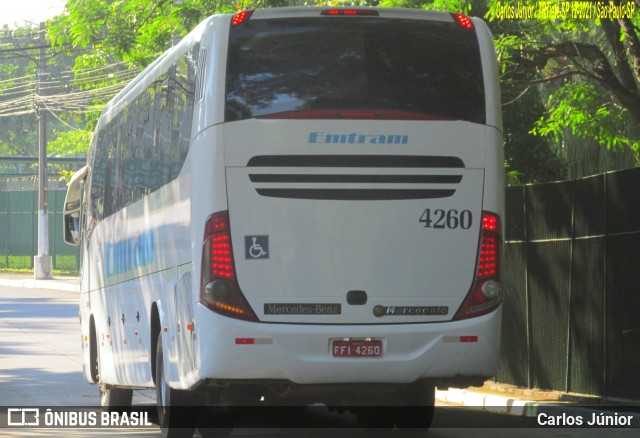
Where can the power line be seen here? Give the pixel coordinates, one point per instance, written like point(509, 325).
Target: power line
point(78, 102)
point(19, 49)
point(28, 84)
point(17, 79)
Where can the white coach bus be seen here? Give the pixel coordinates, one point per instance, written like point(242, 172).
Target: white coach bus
point(295, 206)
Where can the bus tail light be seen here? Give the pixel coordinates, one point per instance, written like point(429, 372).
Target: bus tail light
point(219, 289)
point(241, 17)
point(463, 21)
point(486, 292)
point(350, 12)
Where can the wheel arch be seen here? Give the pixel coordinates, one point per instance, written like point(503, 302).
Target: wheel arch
point(94, 372)
point(155, 332)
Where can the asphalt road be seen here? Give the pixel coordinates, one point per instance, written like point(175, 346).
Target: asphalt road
point(40, 365)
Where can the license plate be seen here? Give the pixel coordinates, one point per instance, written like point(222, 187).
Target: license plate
point(356, 347)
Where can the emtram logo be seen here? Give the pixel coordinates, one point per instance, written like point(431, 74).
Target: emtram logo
point(23, 417)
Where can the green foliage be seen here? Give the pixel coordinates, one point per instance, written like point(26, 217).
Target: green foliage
point(513, 177)
point(462, 6)
point(137, 31)
point(505, 46)
point(18, 94)
point(530, 158)
point(65, 265)
point(582, 67)
point(70, 143)
point(580, 107)
point(118, 30)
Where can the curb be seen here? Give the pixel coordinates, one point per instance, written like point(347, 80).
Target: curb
point(54, 284)
point(492, 402)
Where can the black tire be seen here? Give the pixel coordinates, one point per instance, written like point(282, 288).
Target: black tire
point(418, 414)
point(410, 407)
point(94, 369)
point(177, 415)
point(213, 423)
point(114, 399)
point(415, 417)
point(375, 417)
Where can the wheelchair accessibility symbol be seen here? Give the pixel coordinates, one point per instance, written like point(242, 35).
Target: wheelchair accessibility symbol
point(256, 247)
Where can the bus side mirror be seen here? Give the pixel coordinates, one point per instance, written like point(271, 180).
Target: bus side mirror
point(72, 228)
point(72, 204)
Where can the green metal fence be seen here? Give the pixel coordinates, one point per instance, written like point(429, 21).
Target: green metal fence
point(571, 277)
point(19, 225)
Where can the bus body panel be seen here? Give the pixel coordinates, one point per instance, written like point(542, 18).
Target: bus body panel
point(320, 249)
point(209, 108)
point(491, 74)
point(302, 353)
point(134, 258)
point(494, 193)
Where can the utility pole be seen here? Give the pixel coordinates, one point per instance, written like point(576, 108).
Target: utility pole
point(42, 262)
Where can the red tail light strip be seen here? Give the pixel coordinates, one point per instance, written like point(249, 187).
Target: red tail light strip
point(480, 301)
point(488, 261)
point(222, 257)
point(219, 289)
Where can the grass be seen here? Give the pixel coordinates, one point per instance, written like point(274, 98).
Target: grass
point(62, 264)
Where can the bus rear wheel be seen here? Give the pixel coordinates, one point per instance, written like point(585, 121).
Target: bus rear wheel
point(418, 412)
point(412, 408)
point(114, 399)
point(177, 415)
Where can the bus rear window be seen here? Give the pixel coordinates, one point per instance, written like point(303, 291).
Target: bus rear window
point(354, 68)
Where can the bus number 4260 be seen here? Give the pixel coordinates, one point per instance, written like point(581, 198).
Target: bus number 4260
point(446, 219)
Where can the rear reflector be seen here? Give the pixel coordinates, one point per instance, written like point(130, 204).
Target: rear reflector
point(254, 341)
point(350, 12)
point(463, 339)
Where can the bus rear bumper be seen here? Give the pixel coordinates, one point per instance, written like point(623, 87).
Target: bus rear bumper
point(230, 349)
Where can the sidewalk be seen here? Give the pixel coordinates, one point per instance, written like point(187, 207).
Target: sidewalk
point(508, 399)
point(26, 280)
point(492, 397)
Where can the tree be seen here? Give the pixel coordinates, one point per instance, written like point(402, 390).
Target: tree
point(582, 59)
point(590, 66)
point(20, 89)
point(136, 31)
point(529, 158)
